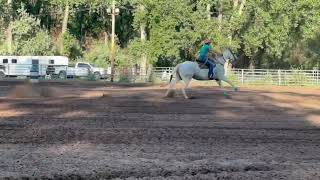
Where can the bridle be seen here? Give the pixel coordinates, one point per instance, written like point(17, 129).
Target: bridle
point(234, 58)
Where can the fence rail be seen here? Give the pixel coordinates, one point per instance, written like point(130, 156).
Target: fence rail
point(159, 74)
point(259, 76)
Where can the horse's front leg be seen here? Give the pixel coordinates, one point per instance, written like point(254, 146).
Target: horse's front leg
point(229, 82)
point(235, 88)
point(221, 87)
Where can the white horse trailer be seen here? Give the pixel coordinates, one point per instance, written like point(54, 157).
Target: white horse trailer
point(21, 65)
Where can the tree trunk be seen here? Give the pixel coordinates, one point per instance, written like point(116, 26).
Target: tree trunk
point(209, 11)
point(220, 16)
point(106, 38)
point(243, 2)
point(64, 24)
point(9, 30)
point(143, 37)
point(252, 64)
point(235, 4)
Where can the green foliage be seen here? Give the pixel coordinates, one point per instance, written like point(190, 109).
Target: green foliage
point(268, 34)
point(272, 29)
point(99, 55)
point(124, 79)
point(71, 47)
point(38, 45)
point(28, 37)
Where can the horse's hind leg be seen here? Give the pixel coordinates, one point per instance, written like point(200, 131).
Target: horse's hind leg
point(186, 84)
point(171, 90)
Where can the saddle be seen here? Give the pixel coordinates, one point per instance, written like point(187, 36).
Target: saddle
point(202, 65)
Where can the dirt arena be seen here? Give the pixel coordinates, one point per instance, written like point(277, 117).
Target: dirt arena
point(104, 131)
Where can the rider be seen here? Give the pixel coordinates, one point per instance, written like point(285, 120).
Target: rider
point(203, 57)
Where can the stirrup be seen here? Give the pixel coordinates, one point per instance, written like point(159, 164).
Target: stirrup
point(212, 77)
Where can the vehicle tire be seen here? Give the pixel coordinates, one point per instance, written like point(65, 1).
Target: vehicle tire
point(62, 75)
point(2, 75)
point(97, 76)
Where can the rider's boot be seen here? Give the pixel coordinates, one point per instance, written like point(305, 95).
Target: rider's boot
point(210, 76)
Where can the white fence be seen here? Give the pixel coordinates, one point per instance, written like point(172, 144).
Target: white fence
point(239, 76)
point(259, 76)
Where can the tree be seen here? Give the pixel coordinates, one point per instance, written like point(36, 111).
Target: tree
point(28, 37)
point(266, 34)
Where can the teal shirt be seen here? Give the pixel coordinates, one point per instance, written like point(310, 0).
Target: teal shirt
point(205, 50)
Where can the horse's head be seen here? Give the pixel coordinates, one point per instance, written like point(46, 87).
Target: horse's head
point(230, 55)
point(227, 55)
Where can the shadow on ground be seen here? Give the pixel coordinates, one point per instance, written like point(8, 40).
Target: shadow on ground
point(135, 133)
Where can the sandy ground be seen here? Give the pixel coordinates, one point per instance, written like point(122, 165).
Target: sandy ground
point(104, 131)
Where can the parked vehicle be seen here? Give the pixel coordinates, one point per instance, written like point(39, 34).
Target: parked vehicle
point(21, 65)
point(45, 65)
point(97, 72)
point(70, 72)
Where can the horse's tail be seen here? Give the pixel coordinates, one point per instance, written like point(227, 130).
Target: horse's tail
point(171, 77)
point(174, 72)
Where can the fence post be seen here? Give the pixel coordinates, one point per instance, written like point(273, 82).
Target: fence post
point(242, 76)
point(314, 77)
point(318, 76)
point(285, 78)
point(279, 77)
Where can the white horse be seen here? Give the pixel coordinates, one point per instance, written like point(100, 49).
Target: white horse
point(189, 70)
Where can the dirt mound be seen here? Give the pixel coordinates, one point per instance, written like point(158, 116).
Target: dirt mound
point(39, 90)
point(30, 90)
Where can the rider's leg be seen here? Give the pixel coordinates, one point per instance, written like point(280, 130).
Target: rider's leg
point(204, 60)
point(211, 65)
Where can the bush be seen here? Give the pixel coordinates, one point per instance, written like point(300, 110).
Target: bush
point(71, 48)
point(99, 55)
point(124, 79)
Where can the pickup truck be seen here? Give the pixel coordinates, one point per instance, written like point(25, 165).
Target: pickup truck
point(68, 71)
point(83, 69)
point(99, 73)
